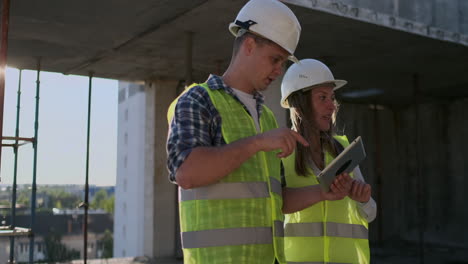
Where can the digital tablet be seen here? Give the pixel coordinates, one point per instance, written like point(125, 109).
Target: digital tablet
point(348, 159)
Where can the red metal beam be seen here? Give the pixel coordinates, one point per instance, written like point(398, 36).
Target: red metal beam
point(19, 138)
point(3, 59)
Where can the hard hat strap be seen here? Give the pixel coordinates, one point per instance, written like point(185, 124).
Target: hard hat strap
point(245, 25)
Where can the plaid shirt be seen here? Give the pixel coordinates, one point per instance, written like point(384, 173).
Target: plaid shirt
point(197, 123)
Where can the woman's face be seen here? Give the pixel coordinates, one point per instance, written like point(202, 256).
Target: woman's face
point(323, 102)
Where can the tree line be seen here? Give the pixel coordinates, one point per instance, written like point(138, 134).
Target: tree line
point(49, 197)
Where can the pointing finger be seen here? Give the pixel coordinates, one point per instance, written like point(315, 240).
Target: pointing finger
point(299, 138)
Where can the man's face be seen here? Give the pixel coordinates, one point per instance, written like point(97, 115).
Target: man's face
point(267, 62)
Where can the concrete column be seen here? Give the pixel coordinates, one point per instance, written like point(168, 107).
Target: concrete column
point(161, 203)
point(272, 100)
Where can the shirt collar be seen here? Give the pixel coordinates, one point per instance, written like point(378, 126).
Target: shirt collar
point(215, 82)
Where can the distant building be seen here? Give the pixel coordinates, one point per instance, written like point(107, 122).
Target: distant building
point(57, 211)
point(68, 226)
point(130, 213)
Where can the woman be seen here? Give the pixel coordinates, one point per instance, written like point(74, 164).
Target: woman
point(324, 227)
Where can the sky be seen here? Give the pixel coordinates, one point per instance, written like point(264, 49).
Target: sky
point(63, 110)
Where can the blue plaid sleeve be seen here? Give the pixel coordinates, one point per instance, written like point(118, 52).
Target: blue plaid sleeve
point(195, 119)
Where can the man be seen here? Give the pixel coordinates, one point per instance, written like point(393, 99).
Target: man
point(224, 147)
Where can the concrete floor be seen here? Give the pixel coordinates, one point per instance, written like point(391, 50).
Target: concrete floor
point(395, 252)
point(409, 253)
point(131, 260)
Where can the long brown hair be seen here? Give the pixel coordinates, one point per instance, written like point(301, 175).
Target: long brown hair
point(302, 118)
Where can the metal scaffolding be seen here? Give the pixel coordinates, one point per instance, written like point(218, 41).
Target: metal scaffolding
point(15, 142)
point(12, 230)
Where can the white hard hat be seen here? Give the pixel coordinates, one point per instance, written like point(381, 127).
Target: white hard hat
point(270, 19)
point(304, 74)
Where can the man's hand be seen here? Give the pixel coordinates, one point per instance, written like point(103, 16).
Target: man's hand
point(194, 171)
point(360, 191)
point(339, 188)
point(283, 139)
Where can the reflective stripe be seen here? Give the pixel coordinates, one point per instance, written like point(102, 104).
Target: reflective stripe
point(226, 190)
point(276, 186)
point(347, 230)
point(279, 228)
point(333, 229)
point(227, 237)
point(289, 262)
point(303, 229)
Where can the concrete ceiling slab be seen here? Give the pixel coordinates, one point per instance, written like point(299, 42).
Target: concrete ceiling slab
point(141, 40)
point(383, 64)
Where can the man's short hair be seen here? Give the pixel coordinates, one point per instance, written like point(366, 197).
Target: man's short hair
point(239, 40)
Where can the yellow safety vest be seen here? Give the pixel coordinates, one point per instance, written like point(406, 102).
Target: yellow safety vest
point(239, 219)
point(328, 231)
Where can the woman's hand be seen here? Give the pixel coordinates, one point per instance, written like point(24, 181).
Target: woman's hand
point(339, 188)
point(360, 191)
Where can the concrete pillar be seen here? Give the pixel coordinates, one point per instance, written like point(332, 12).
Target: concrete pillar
point(272, 100)
point(160, 224)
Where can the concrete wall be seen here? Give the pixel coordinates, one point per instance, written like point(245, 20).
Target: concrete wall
point(418, 155)
point(417, 167)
